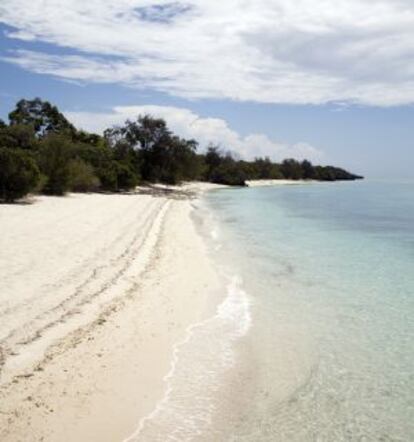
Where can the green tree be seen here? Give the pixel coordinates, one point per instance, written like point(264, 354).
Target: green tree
point(213, 158)
point(19, 174)
point(43, 116)
point(18, 136)
point(291, 169)
point(308, 171)
point(153, 151)
point(55, 153)
point(229, 171)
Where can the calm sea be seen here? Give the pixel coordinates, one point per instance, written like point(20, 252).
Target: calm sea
point(329, 273)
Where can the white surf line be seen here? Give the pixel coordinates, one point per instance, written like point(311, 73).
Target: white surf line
point(236, 298)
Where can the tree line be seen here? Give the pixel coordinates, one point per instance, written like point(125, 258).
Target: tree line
point(42, 152)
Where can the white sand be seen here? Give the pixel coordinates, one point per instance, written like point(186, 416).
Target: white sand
point(263, 183)
point(94, 292)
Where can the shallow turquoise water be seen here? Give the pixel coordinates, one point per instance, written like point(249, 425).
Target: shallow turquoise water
point(329, 271)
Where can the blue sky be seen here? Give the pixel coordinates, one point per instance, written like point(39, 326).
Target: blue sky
point(334, 84)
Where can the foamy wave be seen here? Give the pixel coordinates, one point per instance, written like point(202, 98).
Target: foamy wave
point(236, 307)
point(214, 234)
point(198, 365)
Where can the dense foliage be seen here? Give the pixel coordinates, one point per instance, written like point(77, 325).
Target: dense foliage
point(19, 174)
point(221, 167)
point(42, 151)
point(152, 149)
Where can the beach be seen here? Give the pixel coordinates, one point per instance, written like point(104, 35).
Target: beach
point(280, 182)
point(96, 290)
point(206, 221)
point(183, 314)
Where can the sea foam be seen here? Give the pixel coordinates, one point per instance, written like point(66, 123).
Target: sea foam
point(199, 363)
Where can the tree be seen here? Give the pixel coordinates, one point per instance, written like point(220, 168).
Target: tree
point(291, 169)
point(19, 174)
point(213, 159)
point(144, 133)
point(264, 169)
point(228, 172)
point(55, 152)
point(308, 170)
point(331, 173)
point(153, 151)
point(90, 139)
point(44, 117)
point(18, 136)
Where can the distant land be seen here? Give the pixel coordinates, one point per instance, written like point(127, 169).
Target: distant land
point(42, 152)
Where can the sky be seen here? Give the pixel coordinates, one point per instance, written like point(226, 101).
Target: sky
point(332, 82)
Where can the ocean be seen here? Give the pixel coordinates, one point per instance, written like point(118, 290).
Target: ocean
point(314, 338)
point(329, 272)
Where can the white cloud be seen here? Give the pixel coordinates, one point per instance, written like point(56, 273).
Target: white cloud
point(276, 51)
point(188, 124)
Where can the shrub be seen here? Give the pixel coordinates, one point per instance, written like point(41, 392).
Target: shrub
point(55, 153)
point(126, 178)
point(108, 176)
point(228, 173)
point(82, 177)
point(18, 136)
point(19, 174)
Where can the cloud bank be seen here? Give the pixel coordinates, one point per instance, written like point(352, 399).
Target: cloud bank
point(189, 125)
point(269, 51)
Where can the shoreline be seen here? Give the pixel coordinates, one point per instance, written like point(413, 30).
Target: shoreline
point(132, 278)
point(96, 372)
point(267, 183)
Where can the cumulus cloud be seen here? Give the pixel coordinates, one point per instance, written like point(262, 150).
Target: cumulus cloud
point(274, 51)
point(188, 124)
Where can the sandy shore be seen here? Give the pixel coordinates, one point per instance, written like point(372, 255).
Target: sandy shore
point(264, 183)
point(95, 290)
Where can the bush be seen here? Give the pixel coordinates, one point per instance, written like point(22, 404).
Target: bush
point(19, 174)
point(82, 177)
point(18, 136)
point(228, 173)
point(126, 178)
point(55, 153)
point(108, 176)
